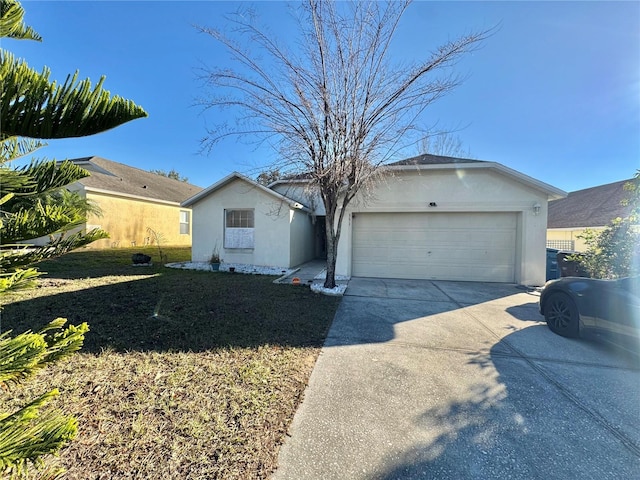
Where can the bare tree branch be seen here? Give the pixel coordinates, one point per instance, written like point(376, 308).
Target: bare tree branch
point(336, 106)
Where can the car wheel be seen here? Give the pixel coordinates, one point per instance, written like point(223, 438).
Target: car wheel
point(561, 315)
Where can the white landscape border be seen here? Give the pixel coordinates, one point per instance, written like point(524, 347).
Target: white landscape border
point(282, 273)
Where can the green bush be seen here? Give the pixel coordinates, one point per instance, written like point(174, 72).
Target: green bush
point(615, 251)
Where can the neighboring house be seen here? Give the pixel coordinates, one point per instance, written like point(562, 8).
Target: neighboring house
point(592, 208)
point(430, 217)
point(133, 200)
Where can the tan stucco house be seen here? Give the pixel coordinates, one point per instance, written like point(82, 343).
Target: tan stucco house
point(430, 217)
point(132, 200)
point(592, 208)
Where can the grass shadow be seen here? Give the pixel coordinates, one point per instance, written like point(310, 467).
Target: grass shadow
point(178, 310)
point(117, 261)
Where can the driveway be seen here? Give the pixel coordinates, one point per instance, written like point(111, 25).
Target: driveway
point(456, 380)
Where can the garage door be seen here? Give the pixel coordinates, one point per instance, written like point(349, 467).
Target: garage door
point(443, 246)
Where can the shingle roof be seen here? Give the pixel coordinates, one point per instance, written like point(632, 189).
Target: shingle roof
point(429, 159)
point(119, 178)
point(591, 207)
point(425, 159)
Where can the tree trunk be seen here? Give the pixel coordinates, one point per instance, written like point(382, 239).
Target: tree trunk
point(332, 252)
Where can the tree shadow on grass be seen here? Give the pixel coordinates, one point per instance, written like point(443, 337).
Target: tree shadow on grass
point(182, 311)
point(111, 262)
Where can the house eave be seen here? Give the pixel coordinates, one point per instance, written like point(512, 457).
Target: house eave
point(235, 175)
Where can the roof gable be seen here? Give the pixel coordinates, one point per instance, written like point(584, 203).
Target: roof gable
point(429, 159)
point(591, 207)
point(431, 162)
point(439, 162)
point(110, 176)
point(419, 163)
point(424, 159)
point(238, 176)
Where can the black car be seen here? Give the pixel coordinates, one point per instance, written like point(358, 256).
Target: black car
point(574, 305)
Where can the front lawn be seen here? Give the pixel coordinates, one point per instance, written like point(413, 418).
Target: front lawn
point(184, 374)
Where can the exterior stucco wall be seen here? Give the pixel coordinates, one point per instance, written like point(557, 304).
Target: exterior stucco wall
point(126, 220)
point(471, 190)
point(302, 238)
point(271, 226)
point(571, 234)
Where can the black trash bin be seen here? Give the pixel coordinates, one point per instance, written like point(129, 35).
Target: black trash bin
point(552, 264)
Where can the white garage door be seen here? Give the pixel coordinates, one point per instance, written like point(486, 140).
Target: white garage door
point(443, 246)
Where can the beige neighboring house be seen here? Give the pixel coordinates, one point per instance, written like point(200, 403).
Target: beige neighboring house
point(430, 217)
point(133, 200)
point(592, 208)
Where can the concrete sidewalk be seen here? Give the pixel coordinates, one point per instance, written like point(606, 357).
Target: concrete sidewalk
point(306, 272)
point(313, 273)
point(453, 380)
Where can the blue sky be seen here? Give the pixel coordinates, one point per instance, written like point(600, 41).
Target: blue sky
point(554, 93)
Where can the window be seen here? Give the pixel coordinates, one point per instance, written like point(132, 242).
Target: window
point(184, 222)
point(239, 218)
point(238, 229)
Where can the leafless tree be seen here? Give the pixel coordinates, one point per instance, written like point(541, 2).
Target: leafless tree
point(174, 174)
point(268, 176)
point(332, 102)
point(445, 144)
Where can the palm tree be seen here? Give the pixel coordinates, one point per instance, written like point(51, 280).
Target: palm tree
point(35, 203)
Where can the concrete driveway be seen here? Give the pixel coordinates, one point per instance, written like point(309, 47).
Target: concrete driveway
point(426, 379)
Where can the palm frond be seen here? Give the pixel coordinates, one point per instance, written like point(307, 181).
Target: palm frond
point(20, 279)
point(38, 221)
point(12, 22)
point(31, 106)
point(39, 178)
point(15, 147)
point(51, 175)
point(25, 354)
point(13, 181)
point(27, 435)
point(15, 257)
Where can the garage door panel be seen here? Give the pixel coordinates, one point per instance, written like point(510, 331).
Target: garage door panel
point(443, 253)
point(451, 246)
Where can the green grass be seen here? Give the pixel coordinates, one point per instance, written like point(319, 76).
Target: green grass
point(184, 374)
